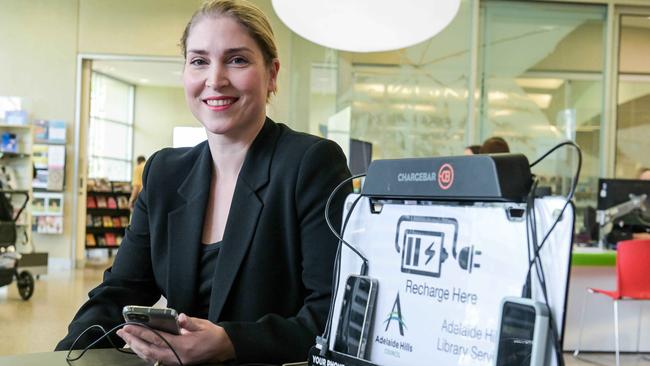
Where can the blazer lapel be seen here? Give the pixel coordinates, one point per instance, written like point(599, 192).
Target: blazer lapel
point(243, 217)
point(184, 230)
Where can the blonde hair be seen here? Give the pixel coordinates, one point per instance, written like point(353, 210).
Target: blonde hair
point(246, 14)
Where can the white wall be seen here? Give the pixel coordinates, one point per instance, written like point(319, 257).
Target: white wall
point(157, 111)
point(38, 40)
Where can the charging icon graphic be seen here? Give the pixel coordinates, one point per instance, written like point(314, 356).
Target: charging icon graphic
point(423, 243)
point(423, 252)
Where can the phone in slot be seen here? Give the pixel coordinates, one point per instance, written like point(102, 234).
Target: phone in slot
point(355, 320)
point(164, 319)
point(523, 333)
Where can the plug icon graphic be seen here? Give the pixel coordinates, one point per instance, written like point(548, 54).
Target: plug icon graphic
point(467, 258)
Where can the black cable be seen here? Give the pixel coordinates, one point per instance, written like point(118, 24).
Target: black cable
point(329, 224)
point(531, 222)
point(526, 292)
point(567, 202)
point(335, 277)
point(67, 357)
point(107, 335)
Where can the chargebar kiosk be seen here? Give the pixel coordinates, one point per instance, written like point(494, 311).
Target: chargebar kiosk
point(444, 241)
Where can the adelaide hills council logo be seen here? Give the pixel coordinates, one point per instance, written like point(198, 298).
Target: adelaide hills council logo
point(396, 315)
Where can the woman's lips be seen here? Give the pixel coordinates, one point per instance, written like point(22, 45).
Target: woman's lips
point(219, 103)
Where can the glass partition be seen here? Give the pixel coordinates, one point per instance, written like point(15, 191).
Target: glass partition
point(633, 111)
point(411, 102)
point(541, 83)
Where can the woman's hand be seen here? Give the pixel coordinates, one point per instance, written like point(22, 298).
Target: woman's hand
point(200, 341)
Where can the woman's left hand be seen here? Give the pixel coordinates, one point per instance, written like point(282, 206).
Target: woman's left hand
point(200, 341)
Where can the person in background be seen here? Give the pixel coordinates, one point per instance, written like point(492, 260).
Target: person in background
point(232, 232)
point(136, 182)
point(494, 145)
point(644, 174)
point(472, 150)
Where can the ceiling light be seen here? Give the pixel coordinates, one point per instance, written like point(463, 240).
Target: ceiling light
point(366, 25)
point(539, 83)
point(494, 96)
point(542, 100)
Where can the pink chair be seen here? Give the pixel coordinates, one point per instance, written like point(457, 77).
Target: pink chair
point(632, 283)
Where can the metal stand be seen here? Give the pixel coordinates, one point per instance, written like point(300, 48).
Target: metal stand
point(605, 218)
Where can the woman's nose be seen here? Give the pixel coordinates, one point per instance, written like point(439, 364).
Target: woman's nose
point(217, 78)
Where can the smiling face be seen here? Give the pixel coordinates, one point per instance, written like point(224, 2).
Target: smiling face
point(225, 77)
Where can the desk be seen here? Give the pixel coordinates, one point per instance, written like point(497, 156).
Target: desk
point(593, 267)
point(589, 256)
point(95, 357)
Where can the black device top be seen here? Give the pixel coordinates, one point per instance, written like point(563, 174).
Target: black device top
point(493, 177)
point(612, 192)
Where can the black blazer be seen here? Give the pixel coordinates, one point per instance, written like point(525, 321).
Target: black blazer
point(272, 284)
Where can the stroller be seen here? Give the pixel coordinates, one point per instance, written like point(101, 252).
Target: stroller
point(8, 256)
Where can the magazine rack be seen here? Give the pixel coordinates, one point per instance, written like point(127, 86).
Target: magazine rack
point(442, 268)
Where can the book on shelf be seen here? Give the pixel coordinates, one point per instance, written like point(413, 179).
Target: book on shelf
point(121, 187)
point(90, 185)
point(90, 240)
point(89, 220)
point(91, 202)
point(97, 221)
point(124, 221)
point(49, 224)
point(122, 202)
point(40, 130)
point(101, 202)
point(107, 222)
point(111, 203)
point(102, 185)
point(55, 179)
point(110, 239)
point(101, 240)
point(39, 156)
point(117, 222)
point(40, 180)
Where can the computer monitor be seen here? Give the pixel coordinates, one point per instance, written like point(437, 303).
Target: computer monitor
point(612, 192)
point(360, 156)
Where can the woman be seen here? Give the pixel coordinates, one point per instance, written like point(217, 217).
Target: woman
point(232, 231)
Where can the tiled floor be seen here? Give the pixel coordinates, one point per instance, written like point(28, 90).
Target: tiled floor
point(38, 324)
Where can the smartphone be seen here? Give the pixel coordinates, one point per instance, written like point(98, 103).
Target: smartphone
point(523, 332)
point(356, 316)
point(164, 319)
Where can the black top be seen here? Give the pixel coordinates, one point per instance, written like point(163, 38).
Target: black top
point(274, 270)
point(209, 254)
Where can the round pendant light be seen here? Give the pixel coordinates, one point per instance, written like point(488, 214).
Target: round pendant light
point(366, 25)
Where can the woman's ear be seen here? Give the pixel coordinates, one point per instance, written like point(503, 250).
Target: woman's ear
point(273, 75)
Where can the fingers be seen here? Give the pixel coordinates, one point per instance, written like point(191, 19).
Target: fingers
point(147, 335)
point(148, 351)
point(189, 324)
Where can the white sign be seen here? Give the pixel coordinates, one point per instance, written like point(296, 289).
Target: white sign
point(442, 272)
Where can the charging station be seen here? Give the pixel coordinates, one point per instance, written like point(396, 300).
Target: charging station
point(446, 241)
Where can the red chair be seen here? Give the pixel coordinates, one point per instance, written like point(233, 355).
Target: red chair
point(632, 283)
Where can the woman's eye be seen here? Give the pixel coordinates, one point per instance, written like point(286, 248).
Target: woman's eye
point(238, 60)
point(198, 62)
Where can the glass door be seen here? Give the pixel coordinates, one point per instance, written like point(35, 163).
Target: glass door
point(633, 99)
